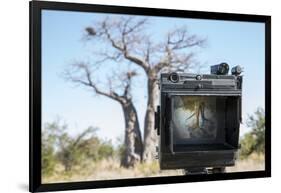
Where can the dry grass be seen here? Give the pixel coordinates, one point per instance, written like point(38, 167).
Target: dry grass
point(105, 170)
point(110, 169)
point(254, 162)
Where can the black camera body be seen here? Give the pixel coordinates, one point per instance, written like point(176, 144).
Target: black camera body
point(198, 120)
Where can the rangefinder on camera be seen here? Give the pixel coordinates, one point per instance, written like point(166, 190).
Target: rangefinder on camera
point(198, 119)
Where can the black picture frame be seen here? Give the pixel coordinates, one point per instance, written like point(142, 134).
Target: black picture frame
point(35, 8)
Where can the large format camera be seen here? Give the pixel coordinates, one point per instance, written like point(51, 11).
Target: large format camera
point(198, 119)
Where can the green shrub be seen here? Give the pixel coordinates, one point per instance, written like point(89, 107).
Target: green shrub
point(254, 141)
point(48, 160)
point(59, 147)
point(105, 150)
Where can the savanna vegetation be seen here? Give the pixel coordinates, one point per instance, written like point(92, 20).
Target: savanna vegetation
point(252, 144)
point(59, 148)
point(85, 156)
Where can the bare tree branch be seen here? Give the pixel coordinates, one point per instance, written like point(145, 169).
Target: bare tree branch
point(81, 74)
point(129, 75)
point(82, 135)
point(174, 50)
point(180, 39)
point(126, 37)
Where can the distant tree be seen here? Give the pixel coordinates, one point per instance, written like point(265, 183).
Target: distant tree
point(117, 88)
point(254, 141)
point(68, 151)
point(96, 149)
point(106, 150)
point(257, 123)
point(248, 145)
point(126, 38)
point(48, 153)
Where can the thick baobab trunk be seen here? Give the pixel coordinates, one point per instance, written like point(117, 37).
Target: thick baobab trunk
point(150, 137)
point(133, 141)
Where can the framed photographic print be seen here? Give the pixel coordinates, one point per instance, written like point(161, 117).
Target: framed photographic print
point(126, 96)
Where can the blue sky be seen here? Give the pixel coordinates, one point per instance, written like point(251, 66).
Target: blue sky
point(62, 43)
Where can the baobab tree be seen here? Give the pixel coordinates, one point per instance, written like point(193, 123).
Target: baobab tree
point(126, 37)
point(118, 88)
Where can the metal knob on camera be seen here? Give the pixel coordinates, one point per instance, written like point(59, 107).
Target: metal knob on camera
point(174, 77)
